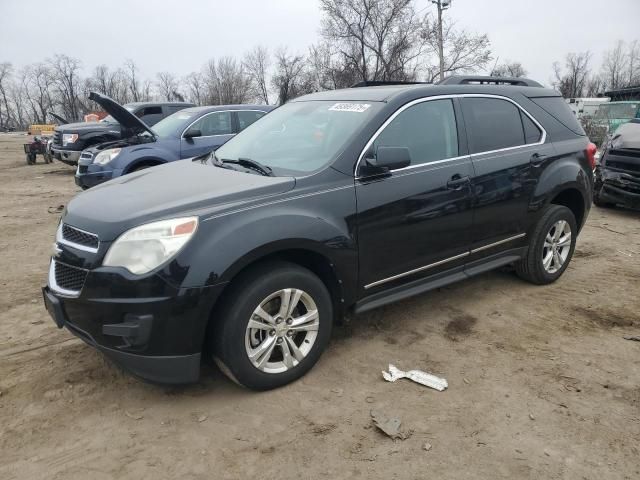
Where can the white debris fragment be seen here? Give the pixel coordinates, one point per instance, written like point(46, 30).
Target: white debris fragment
point(417, 376)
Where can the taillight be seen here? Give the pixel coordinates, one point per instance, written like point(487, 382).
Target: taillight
point(591, 154)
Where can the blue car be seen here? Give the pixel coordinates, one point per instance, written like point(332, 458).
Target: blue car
point(185, 134)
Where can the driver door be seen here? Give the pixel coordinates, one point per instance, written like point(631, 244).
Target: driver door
point(416, 221)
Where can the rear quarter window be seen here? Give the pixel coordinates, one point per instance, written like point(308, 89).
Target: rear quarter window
point(558, 109)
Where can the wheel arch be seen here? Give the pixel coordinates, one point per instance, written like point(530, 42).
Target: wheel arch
point(145, 161)
point(573, 199)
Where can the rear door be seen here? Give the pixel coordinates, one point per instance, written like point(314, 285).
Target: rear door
point(215, 128)
point(244, 118)
point(508, 152)
point(416, 221)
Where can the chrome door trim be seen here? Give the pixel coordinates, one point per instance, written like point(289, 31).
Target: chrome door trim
point(415, 270)
point(373, 138)
point(499, 242)
point(441, 262)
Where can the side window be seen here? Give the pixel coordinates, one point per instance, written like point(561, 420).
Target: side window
point(216, 123)
point(150, 115)
point(532, 133)
point(246, 118)
point(428, 129)
point(492, 124)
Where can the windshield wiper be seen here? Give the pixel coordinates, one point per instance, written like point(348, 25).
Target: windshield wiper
point(251, 164)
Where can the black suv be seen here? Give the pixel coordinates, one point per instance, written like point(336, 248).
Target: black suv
point(69, 139)
point(337, 202)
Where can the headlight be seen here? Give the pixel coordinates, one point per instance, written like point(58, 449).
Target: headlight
point(69, 138)
point(146, 247)
point(106, 156)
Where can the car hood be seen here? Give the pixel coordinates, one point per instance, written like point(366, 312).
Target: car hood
point(85, 127)
point(178, 188)
point(121, 114)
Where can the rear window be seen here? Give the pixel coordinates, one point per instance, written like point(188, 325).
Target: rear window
point(492, 124)
point(558, 109)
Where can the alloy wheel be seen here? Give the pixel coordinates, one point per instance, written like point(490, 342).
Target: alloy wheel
point(282, 330)
point(557, 245)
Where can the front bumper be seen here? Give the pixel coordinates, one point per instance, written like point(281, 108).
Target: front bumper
point(618, 188)
point(70, 157)
point(89, 174)
point(157, 338)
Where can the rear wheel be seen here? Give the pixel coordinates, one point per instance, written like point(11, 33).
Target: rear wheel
point(273, 326)
point(31, 158)
point(551, 247)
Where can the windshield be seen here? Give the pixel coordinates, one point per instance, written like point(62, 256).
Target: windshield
point(618, 111)
point(174, 123)
point(110, 119)
point(299, 137)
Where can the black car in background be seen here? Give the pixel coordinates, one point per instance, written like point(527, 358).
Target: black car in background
point(617, 173)
point(336, 202)
point(70, 139)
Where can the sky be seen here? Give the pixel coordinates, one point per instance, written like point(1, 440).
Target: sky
point(180, 36)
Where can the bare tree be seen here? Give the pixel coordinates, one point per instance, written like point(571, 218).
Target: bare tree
point(615, 65)
point(509, 69)
point(290, 79)
point(256, 63)
point(572, 80)
point(463, 51)
point(39, 82)
point(67, 83)
point(131, 74)
point(226, 82)
point(167, 85)
point(633, 64)
point(195, 87)
point(6, 71)
point(380, 39)
point(595, 86)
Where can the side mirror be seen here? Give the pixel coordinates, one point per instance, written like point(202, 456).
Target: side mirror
point(390, 158)
point(192, 133)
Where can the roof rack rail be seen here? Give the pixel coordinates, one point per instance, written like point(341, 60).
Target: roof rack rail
point(378, 83)
point(487, 80)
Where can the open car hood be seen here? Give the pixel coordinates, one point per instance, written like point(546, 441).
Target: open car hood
point(61, 120)
point(123, 116)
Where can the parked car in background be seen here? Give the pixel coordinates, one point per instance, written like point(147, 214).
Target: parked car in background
point(71, 138)
point(613, 114)
point(339, 201)
point(584, 106)
point(188, 133)
point(617, 173)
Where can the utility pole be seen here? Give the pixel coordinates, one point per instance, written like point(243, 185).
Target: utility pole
point(441, 6)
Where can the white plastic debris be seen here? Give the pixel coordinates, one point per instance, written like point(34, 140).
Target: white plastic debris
point(417, 376)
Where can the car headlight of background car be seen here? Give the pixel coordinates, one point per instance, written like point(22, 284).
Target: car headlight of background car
point(106, 156)
point(68, 138)
point(148, 246)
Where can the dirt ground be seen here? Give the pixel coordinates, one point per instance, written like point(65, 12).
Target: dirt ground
point(541, 382)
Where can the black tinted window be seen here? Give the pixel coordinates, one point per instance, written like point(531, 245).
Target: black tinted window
point(246, 118)
point(149, 111)
point(492, 124)
point(428, 129)
point(532, 133)
point(558, 109)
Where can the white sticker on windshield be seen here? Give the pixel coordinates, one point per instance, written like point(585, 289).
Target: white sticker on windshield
point(350, 107)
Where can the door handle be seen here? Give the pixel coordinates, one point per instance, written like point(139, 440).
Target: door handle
point(457, 182)
point(537, 159)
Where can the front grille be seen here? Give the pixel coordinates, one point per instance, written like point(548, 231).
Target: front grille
point(83, 168)
point(57, 138)
point(79, 237)
point(86, 156)
point(69, 278)
point(621, 165)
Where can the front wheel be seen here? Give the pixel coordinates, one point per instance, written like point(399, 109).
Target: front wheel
point(551, 246)
point(273, 326)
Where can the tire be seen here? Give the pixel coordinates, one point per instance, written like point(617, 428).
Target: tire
point(31, 158)
point(532, 267)
point(232, 340)
point(48, 158)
